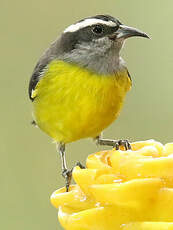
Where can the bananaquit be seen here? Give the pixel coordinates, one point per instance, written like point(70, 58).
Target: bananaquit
point(78, 85)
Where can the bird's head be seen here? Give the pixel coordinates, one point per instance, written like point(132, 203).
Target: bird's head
point(95, 42)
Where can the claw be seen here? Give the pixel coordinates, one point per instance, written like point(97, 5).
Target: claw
point(80, 165)
point(33, 122)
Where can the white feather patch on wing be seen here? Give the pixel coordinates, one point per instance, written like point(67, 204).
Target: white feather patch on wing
point(33, 93)
point(88, 22)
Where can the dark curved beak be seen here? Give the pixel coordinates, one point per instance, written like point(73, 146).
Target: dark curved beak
point(124, 32)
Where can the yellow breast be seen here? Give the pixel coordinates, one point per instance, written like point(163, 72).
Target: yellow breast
point(73, 103)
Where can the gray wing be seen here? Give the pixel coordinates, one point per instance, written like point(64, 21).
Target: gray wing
point(50, 54)
point(58, 50)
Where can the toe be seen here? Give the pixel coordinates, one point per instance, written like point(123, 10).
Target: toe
point(125, 144)
point(80, 165)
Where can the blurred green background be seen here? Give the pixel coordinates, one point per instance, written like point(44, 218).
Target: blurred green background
point(30, 166)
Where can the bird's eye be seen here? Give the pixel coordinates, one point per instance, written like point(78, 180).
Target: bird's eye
point(98, 29)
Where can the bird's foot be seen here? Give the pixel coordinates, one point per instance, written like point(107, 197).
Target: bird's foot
point(124, 143)
point(67, 174)
point(114, 143)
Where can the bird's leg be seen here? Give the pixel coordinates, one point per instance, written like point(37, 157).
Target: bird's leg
point(66, 173)
point(114, 143)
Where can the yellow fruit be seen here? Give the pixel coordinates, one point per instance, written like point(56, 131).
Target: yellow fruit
point(121, 190)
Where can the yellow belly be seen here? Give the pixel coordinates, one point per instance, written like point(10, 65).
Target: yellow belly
point(72, 103)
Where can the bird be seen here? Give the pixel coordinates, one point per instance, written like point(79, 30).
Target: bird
point(79, 84)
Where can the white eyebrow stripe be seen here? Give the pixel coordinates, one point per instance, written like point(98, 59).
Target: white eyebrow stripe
point(88, 22)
